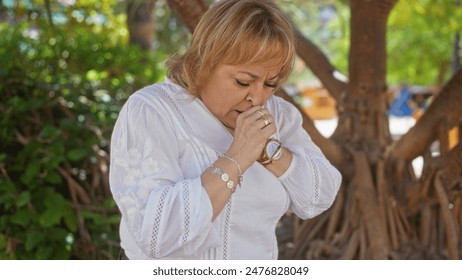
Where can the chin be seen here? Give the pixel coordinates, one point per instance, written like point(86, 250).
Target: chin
point(230, 125)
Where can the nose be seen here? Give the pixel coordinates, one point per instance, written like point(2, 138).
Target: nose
point(256, 95)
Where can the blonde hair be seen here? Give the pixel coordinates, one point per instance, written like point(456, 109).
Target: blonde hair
point(235, 32)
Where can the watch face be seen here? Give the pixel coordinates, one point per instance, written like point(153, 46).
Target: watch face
point(271, 148)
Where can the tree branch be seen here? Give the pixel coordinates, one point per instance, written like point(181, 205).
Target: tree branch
point(446, 106)
point(188, 11)
point(49, 14)
point(450, 166)
point(315, 59)
point(448, 219)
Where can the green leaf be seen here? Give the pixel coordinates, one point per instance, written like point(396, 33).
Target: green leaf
point(23, 198)
point(7, 198)
point(49, 131)
point(53, 177)
point(44, 253)
point(33, 238)
point(57, 148)
point(31, 173)
point(55, 204)
point(77, 154)
point(20, 217)
point(2, 242)
point(70, 219)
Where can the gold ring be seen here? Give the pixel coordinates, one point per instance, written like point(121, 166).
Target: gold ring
point(261, 113)
point(266, 120)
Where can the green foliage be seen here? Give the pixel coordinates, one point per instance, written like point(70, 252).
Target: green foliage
point(61, 87)
point(326, 24)
point(170, 34)
point(421, 36)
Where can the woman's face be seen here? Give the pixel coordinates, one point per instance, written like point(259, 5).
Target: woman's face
point(233, 89)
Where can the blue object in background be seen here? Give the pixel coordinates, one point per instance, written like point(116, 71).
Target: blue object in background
point(399, 107)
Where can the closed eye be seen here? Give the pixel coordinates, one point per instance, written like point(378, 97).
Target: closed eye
point(242, 84)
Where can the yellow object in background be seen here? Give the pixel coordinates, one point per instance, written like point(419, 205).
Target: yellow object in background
point(318, 104)
point(453, 137)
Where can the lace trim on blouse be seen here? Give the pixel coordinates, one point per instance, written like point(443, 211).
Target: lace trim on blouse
point(316, 179)
point(226, 230)
point(186, 213)
point(153, 252)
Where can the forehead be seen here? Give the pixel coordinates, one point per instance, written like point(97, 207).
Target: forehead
point(266, 70)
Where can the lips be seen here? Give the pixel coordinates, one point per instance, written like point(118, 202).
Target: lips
point(241, 111)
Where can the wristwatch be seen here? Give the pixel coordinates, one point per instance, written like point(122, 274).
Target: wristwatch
point(271, 152)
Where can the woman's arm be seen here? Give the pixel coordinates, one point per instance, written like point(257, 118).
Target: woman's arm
point(166, 214)
point(310, 179)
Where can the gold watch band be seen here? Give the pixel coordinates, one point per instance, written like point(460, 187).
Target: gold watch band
point(264, 160)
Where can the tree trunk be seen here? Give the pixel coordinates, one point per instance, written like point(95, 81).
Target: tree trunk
point(140, 24)
point(364, 117)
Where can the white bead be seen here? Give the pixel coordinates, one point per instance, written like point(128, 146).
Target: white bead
point(230, 184)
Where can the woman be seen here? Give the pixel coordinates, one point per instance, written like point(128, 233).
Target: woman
point(205, 164)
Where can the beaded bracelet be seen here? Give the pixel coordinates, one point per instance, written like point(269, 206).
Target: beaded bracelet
point(241, 177)
point(224, 177)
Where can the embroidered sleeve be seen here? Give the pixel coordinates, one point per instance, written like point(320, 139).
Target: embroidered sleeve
point(311, 180)
point(167, 215)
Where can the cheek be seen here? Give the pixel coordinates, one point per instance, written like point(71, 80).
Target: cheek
point(232, 97)
point(228, 107)
point(220, 103)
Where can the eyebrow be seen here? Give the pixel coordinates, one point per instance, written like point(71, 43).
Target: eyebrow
point(258, 77)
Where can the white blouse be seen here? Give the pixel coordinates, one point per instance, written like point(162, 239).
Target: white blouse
point(162, 142)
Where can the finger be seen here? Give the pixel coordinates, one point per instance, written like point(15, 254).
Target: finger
point(256, 117)
point(255, 112)
point(250, 117)
point(268, 130)
point(251, 110)
point(266, 120)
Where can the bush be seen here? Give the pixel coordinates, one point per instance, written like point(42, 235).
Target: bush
point(61, 88)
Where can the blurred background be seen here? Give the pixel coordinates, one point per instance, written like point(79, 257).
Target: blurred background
point(67, 67)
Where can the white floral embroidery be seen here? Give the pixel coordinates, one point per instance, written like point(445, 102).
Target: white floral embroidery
point(139, 167)
point(133, 156)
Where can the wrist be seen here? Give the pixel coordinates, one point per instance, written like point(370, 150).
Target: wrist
point(272, 152)
point(237, 165)
point(244, 163)
point(280, 166)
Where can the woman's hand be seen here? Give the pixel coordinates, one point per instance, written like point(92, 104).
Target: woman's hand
point(253, 128)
